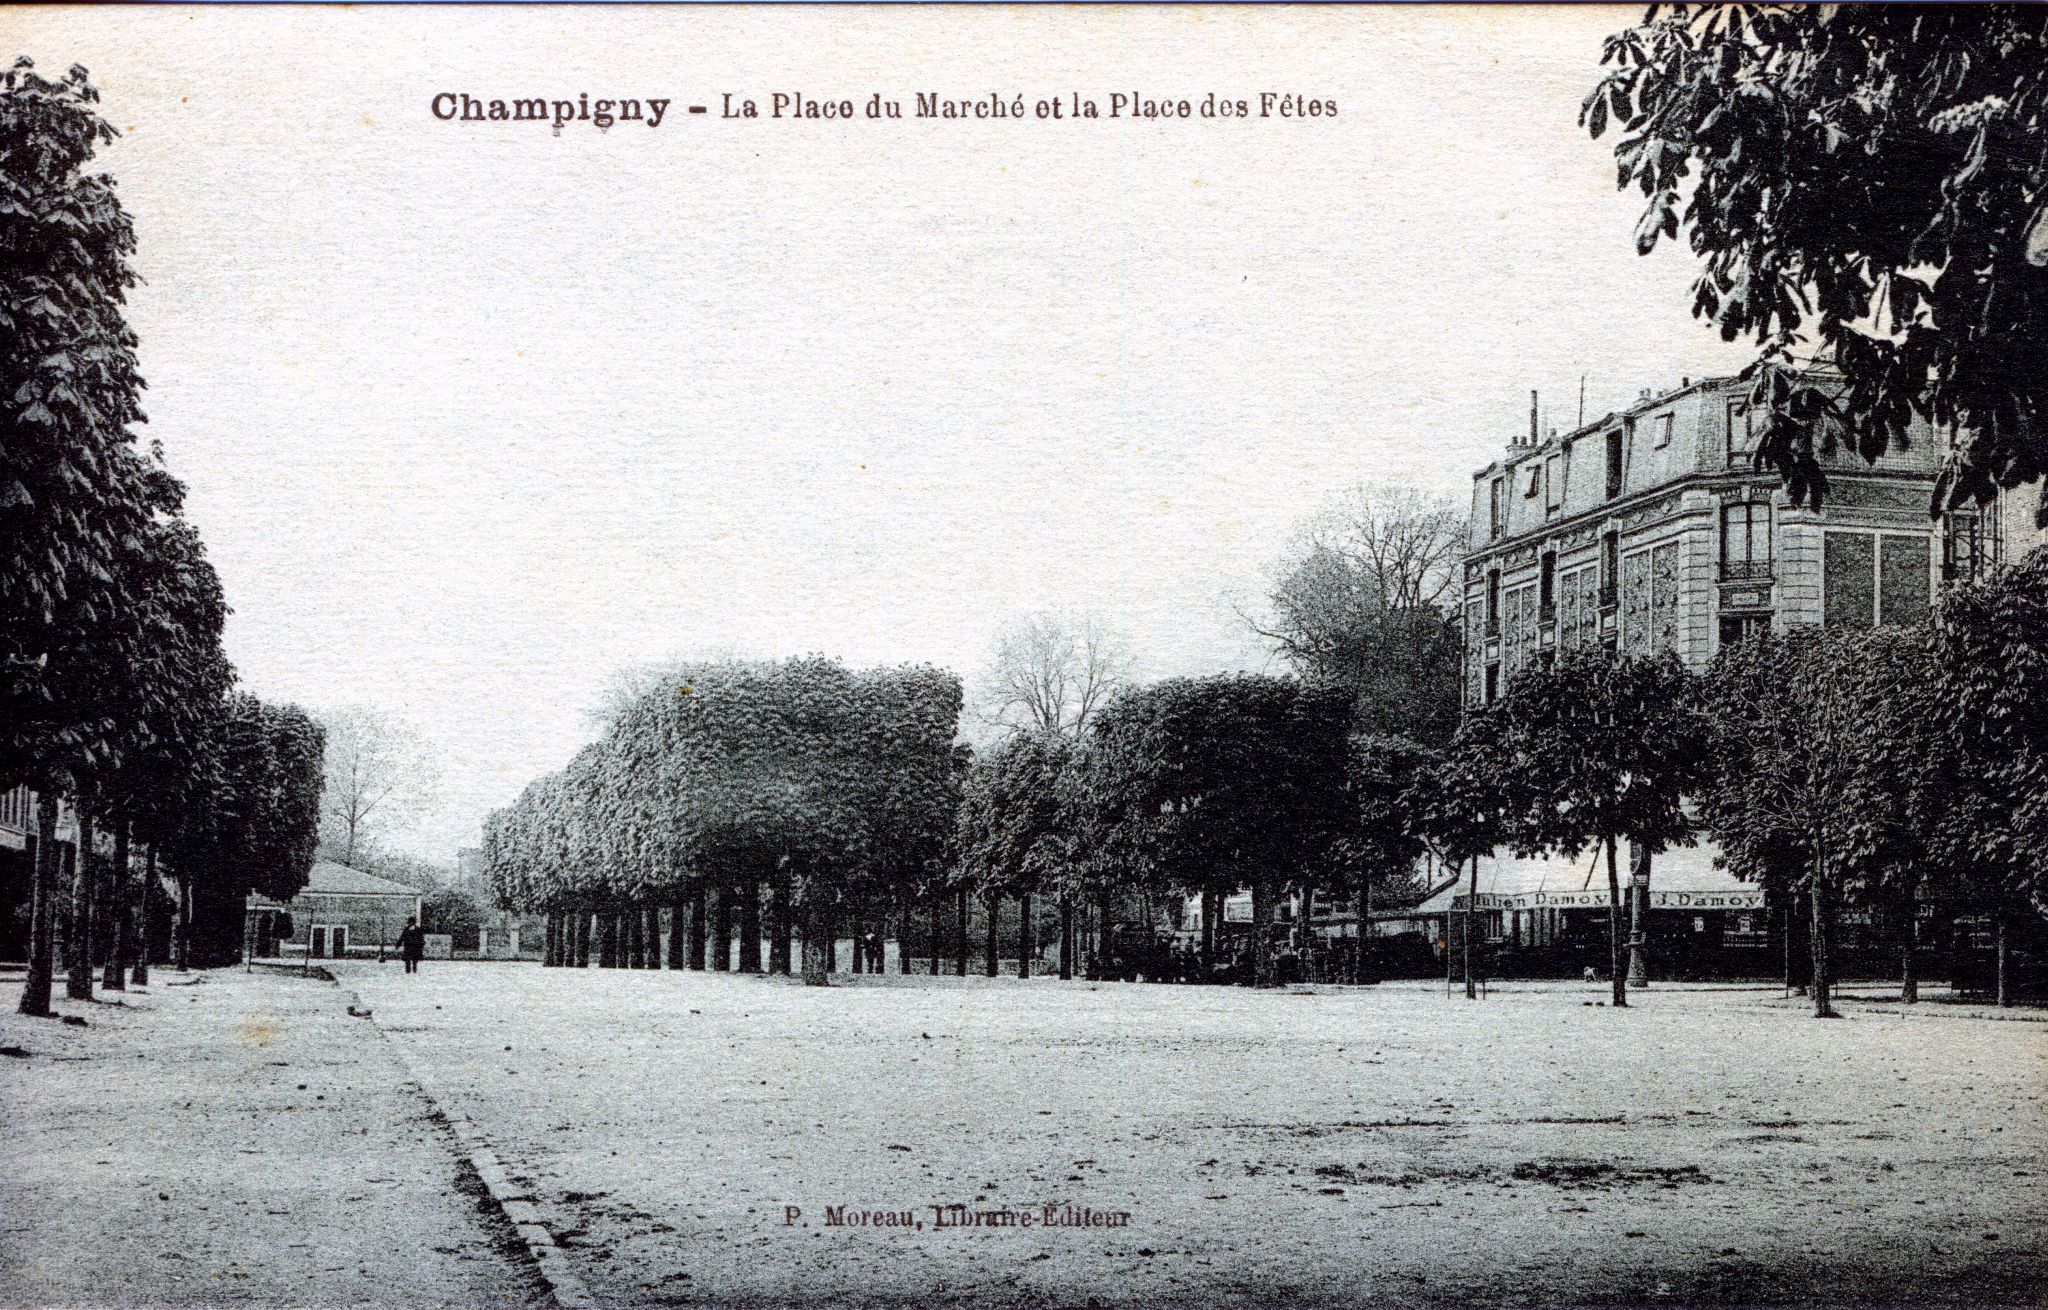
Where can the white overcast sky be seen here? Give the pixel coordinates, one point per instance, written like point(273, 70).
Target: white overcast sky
point(472, 415)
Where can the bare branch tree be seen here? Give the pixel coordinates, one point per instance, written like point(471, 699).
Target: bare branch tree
point(1362, 599)
point(1048, 672)
point(380, 775)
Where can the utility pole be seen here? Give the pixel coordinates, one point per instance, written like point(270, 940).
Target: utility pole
point(1639, 915)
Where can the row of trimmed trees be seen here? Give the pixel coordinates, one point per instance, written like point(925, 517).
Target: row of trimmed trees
point(827, 794)
point(1881, 769)
point(114, 692)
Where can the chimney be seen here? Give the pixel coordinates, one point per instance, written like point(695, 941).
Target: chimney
point(1533, 438)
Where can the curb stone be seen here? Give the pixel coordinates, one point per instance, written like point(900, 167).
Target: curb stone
point(513, 1202)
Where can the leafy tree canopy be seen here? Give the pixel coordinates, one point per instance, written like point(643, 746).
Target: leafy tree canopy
point(1864, 185)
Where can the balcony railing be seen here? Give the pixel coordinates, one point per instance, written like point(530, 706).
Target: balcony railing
point(1745, 570)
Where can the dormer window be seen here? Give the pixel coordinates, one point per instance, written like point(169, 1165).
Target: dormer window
point(1532, 476)
point(1663, 422)
point(1741, 432)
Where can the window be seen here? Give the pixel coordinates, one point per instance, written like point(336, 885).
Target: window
point(1498, 509)
point(1532, 477)
point(1553, 484)
point(1663, 430)
point(1869, 578)
point(1546, 588)
point(1610, 569)
point(1741, 432)
point(1614, 463)
point(1492, 683)
point(1492, 602)
point(1903, 585)
point(1741, 627)
point(1849, 580)
point(1746, 540)
point(1970, 545)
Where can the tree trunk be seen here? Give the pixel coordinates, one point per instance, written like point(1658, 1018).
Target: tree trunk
point(1471, 909)
point(780, 928)
point(35, 989)
point(750, 926)
point(636, 937)
point(1105, 929)
point(608, 939)
point(2003, 994)
point(856, 946)
point(1212, 911)
point(1823, 915)
point(1262, 944)
point(1638, 915)
point(994, 903)
point(551, 948)
point(903, 937)
point(1066, 936)
point(960, 937)
point(938, 914)
point(721, 930)
point(1909, 959)
point(1615, 969)
point(115, 977)
point(139, 975)
point(78, 941)
point(183, 948)
point(582, 938)
point(700, 926)
point(819, 943)
point(1025, 941)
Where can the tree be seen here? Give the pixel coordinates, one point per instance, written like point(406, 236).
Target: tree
point(1013, 835)
point(1049, 673)
point(1233, 780)
point(380, 775)
point(1991, 657)
point(1820, 748)
point(1862, 182)
point(1385, 841)
point(1458, 802)
point(252, 825)
point(1590, 749)
point(75, 494)
point(174, 698)
point(832, 786)
point(1360, 602)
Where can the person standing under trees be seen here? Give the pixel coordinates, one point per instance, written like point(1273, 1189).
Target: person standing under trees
point(412, 945)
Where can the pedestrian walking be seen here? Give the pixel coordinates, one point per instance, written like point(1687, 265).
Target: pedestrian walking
point(412, 944)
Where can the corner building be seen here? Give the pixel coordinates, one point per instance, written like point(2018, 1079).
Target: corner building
point(1650, 530)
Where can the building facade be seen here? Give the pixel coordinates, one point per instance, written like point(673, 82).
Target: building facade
point(1651, 530)
point(340, 912)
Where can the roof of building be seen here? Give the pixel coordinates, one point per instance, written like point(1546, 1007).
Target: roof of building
point(332, 879)
point(1522, 882)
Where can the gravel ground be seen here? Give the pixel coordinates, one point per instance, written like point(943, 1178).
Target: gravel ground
point(233, 1139)
point(1377, 1145)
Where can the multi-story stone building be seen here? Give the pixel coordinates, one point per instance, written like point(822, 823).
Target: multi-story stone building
point(1651, 530)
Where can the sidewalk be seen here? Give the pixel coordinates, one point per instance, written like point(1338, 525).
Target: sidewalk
point(225, 1138)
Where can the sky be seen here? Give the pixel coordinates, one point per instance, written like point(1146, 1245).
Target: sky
point(475, 414)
